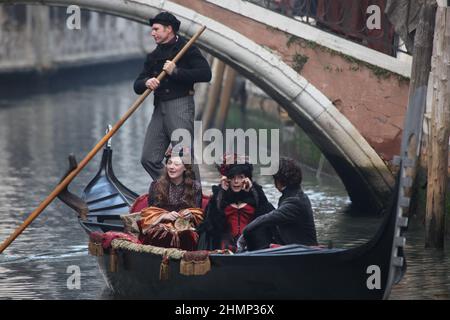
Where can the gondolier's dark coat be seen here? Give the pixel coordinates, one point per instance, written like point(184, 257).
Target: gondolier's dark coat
point(191, 68)
point(215, 224)
point(293, 220)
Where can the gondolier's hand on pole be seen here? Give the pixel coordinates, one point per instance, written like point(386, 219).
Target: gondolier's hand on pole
point(65, 182)
point(152, 84)
point(169, 67)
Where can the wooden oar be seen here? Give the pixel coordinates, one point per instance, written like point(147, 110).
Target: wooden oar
point(64, 183)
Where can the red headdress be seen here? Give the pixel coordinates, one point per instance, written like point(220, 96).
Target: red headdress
point(233, 164)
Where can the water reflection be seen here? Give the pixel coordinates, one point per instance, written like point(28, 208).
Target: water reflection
point(37, 133)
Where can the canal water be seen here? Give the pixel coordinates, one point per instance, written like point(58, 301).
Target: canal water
point(40, 126)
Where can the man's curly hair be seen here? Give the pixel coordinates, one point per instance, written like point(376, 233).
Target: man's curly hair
point(289, 173)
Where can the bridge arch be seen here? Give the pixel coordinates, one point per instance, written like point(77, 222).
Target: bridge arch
point(364, 174)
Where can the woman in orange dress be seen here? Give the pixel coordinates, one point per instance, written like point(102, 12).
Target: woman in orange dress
point(174, 206)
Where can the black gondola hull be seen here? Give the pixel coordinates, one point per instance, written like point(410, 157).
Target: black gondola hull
point(313, 276)
point(291, 272)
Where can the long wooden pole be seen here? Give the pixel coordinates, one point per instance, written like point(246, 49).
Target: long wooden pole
point(63, 184)
point(440, 130)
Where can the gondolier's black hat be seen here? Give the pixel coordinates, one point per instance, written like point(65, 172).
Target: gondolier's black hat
point(166, 19)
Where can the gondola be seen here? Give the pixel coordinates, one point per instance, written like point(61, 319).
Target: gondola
point(287, 272)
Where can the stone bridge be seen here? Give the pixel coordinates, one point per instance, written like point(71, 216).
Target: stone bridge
point(349, 99)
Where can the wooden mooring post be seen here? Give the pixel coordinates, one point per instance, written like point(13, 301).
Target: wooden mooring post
point(440, 128)
point(216, 86)
point(225, 97)
point(420, 71)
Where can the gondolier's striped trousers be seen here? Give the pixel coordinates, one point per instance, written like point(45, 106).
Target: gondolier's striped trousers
point(167, 116)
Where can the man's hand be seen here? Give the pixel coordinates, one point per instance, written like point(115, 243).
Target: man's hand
point(241, 244)
point(152, 83)
point(169, 67)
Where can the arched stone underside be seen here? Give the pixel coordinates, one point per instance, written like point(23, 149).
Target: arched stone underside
point(364, 174)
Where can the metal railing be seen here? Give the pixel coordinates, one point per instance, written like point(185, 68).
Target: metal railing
point(344, 18)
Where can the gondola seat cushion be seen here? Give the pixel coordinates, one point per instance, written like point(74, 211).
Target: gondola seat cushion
point(140, 203)
point(205, 201)
point(106, 238)
point(130, 223)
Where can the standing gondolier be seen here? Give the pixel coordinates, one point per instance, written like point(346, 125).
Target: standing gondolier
point(174, 96)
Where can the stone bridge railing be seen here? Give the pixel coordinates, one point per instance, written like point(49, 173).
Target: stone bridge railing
point(37, 38)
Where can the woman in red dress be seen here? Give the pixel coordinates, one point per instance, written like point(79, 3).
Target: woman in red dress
point(235, 202)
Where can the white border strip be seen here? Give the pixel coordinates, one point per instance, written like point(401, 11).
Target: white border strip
point(305, 31)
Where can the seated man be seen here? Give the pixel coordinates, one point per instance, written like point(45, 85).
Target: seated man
point(293, 221)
